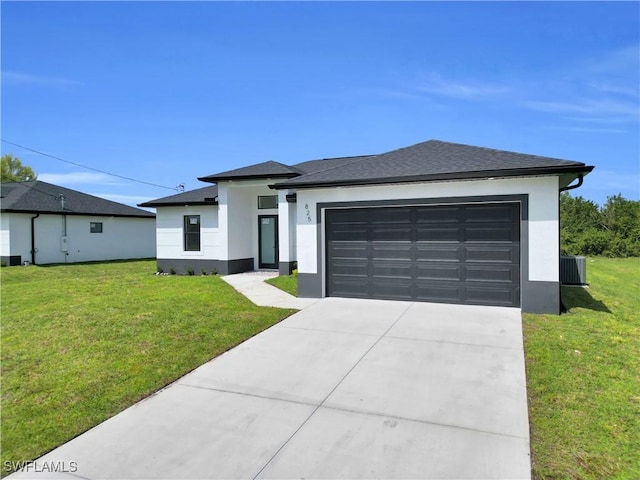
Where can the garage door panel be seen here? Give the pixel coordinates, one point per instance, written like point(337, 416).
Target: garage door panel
point(350, 288)
point(432, 271)
point(348, 233)
point(391, 216)
point(495, 253)
point(442, 252)
point(497, 296)
point(392, 290)
point(398, 233)
point(506, 274)
point(453, 253)
point(442, 214)
point(437, 292)
point(490, 233)
point(389, 250)
point(351, 268)
point(392, 269)
point(340, 250)
point(491, 213)
point(438, 233)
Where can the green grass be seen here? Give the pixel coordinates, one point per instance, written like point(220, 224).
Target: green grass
point(82, 342)
point(288, 283)
point(583, 378)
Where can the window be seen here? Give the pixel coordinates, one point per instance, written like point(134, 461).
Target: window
point(95, 227)
point(267, 201)
point(192, 233)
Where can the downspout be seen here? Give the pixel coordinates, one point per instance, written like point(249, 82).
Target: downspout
point(33, 239)
point(564, 189)
point(571, 187)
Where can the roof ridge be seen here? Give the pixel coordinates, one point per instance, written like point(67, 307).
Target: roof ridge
point(356, 158)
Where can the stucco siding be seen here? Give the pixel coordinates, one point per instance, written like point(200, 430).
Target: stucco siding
point(170, 232)
point(542, 215)
point(5, 235)
point(121, 238)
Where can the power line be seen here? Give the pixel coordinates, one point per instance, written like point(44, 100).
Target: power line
point(178, 188)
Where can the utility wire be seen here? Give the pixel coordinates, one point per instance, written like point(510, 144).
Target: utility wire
point(178, 188)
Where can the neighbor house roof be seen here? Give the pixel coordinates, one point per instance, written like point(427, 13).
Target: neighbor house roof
point(201, 196)
point(434, 160)
point(41, 197)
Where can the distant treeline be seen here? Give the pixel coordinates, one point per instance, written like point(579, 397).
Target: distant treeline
point(612, 230)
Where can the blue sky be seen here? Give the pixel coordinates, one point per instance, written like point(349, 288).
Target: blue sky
point(166, 92)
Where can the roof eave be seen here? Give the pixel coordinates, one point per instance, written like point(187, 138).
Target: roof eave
point(174, 204)
point(217, 178)
point(436, 177)
point(86, 214)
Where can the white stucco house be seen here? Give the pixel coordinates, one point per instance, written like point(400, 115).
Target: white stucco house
point(42, 223)
point(435, 221)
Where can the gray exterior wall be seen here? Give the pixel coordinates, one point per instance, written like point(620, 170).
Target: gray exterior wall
point(222, 267)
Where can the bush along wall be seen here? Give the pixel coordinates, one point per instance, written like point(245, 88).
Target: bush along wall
point(612, 230)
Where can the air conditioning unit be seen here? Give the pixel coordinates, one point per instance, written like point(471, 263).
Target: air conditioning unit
point(573, 270)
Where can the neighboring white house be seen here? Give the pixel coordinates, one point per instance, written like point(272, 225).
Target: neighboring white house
point(436, 221)
point(43, 223)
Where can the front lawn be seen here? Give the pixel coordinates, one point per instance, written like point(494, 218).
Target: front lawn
point(82, 342)
point(288, 283)
point(583, 377)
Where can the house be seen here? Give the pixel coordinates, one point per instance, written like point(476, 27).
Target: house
point(43, 223)
point(436, 222)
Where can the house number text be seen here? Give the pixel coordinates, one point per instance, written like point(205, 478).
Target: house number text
point(308, 212)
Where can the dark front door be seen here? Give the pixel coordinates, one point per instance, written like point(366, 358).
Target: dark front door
point(446, 253)
point(268, 241)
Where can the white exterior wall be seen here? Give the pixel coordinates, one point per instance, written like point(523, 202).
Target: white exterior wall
point(121, 238)
point(238, 214)
point(544, 254)
point(170, 232)
point(286, 228)
point(5, 235)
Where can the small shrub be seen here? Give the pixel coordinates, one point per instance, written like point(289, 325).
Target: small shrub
point(203, 272)
point(295, 272)
point(160, 271)
point(190, 271)
point(172, 271)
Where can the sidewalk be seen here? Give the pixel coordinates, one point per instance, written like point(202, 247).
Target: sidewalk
point(253, 286)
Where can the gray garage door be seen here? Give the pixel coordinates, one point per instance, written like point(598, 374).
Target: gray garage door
point(446, 253)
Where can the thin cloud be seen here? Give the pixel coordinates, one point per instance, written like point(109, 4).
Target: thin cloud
point(602, 107)
point(611, 181)
point(467, 90)
point(132, 200)
point(78, 178)
point(29, 79)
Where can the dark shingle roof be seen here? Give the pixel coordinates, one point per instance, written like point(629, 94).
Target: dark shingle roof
point(268, 169)
point(434, 160)
point(313, 166)
point(41, 197)
point(201, 196)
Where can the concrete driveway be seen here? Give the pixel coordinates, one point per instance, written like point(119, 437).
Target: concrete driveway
point(343, 389)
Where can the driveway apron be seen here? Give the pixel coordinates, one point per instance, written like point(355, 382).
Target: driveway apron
point(345, 388)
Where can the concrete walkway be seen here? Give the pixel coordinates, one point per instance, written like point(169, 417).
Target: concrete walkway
point(253, 286)
point(343, 389)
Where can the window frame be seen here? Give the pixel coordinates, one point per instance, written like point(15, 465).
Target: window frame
point(270, 197)
point(188, 236)
point(96, 227)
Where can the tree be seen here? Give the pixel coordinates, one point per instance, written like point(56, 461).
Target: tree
point(587, 229)
point(14, 171)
